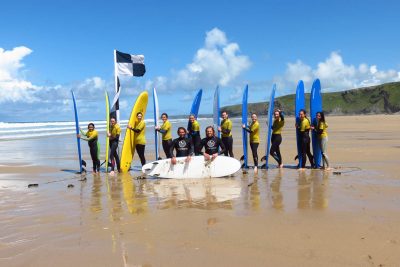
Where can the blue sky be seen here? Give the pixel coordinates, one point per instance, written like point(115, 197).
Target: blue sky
point(50, 47)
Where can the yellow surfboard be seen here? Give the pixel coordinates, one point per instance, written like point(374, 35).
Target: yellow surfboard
point(128, 148)
point(107, 130)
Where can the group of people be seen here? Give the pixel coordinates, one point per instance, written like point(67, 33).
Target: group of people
point(189, 141)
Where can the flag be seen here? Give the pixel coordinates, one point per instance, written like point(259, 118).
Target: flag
point(132, 65)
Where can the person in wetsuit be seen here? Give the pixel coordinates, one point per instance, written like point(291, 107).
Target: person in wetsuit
point(194, 134)
point(91, 136)
point(140, 136)
point(211, 144)
point(276, 138)
point(182, 145)
point(113, 134)
point(226, 134)
point(253, 129)
point(321, 129)
point(304, 129)
point(165, 131)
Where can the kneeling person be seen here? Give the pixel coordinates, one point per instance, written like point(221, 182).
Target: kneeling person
point(182, 145)
point(211, 143)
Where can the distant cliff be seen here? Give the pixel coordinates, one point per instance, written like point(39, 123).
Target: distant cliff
point(378, 99)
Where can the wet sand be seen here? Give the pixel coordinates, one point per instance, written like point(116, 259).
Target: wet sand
point(279, 217)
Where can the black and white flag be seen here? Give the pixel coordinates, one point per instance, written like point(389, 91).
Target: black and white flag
point(132, 65)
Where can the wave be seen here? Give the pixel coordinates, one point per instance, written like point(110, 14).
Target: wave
point(27, 130)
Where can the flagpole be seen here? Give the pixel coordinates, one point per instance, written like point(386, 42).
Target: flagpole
point(116, 84)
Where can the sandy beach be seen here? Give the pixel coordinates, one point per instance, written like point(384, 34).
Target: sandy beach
point(349, 216)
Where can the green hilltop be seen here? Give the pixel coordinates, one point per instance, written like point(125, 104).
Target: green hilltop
point(384, 98)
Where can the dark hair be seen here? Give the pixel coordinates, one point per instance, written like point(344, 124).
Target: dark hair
point(192, 115)
point(181, 128)
point(166, 115)
point(253, 113)
point(137, 114)
point(113, 118)
point(91, 124)
point(224, 112)
point(210, 127)
point(304, 111)
point(322, 116)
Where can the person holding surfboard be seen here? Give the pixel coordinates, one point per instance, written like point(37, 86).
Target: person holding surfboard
point(304, 127)
point(276, 137)
point(253, 129)
point(91, 136)
point(165, 131)
point(211, 144)
point(113, 134)
point(182, 145)
point(320, 128)
point(194, 134)
point(140, 136)
point(226, 134)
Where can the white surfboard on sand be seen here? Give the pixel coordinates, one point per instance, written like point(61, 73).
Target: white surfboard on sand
point(196, 168)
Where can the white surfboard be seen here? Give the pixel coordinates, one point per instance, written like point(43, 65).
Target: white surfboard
point(196, 168)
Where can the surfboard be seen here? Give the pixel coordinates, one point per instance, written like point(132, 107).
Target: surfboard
point(315, 106)
point(107, 156)
point(216, 112)
point(244, 121)
point(197, 168)
point(156, 116)
point(78, 140)
point(128, 148)
point(269, 124)
point(194, 110)
point(300, 103)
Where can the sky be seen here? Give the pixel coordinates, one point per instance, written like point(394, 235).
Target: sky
point(48, 48)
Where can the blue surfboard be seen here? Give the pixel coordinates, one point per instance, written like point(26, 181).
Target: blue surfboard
point(156, 117)
point(300, 103)
point(216, 112)
point(269, 124)
point(244, 121)
point(78, 140)
point(315, 106)
point(194, 110)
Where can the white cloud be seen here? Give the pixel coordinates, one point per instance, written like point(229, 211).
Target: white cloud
point(217, 63)
point(13, 87)
point(335, 74)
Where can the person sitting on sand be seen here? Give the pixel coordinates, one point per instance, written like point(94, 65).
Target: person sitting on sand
point(253, 129)
point(226, 134)
point(194, 134)
point(276, 138)
point(140, 136)
point(323, 138)
point(182, 145)
point(91, 136)
point(304, 128)
point(211, 144)
point(113, 134)
point(165, 130)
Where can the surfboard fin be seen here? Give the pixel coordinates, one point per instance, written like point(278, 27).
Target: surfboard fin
point(156, 175)
point(154, 163)
point(83, 163)
point(147, 169)
point(242, 157)
point(263, 158)
point(264, 166)
point(159, 158)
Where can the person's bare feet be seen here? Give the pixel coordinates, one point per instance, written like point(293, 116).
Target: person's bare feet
point(255, 170)
point(112, 173)
point(281, 166)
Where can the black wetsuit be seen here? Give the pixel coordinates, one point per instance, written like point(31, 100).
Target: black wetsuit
point(305, 147)
point(114, 158)
point(183, 147)
point(211, 145)
point(276, 139)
